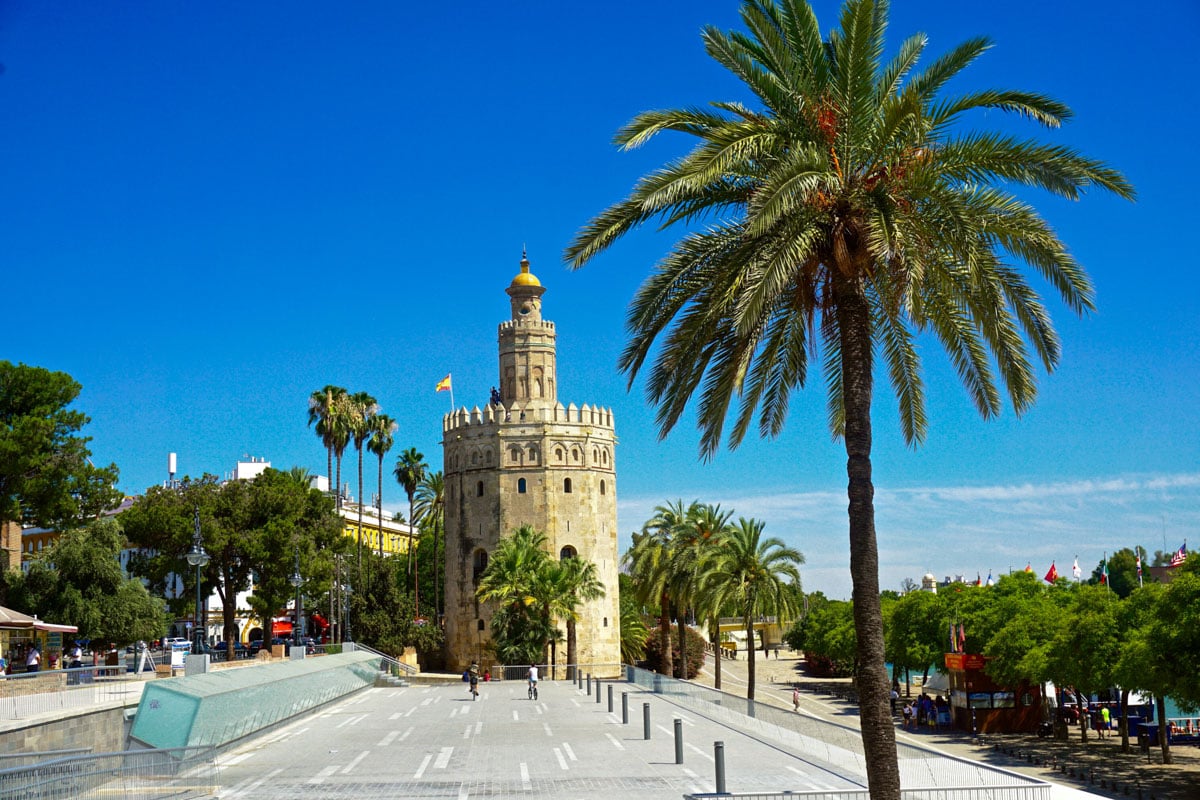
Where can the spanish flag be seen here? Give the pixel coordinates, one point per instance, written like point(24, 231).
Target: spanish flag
point(444, 384)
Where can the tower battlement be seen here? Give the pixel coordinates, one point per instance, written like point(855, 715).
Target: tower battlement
point(516, 414)
point(526, 325)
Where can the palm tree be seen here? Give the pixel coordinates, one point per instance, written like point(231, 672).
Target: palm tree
point(430, 512)
point(382, 431)
point(849, 207)
point(362, 407)
point(649, 561)
point(695, 542)
point(510, 582)
point(324, 408)
point(410, 469)
point(755, 569)
point(579, 583)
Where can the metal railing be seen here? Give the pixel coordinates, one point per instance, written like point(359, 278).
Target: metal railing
point(32, 693)
point(944, 793)
point(556, 672)
point(838, 748)
point(132, 774)
point(389, 664)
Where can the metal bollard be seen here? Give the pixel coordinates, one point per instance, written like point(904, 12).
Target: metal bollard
point(610, 704)
point(645, 720)
point(597, 691)
point(624, 708)
point(589, 683)
point(719, 758)
point(678, 741)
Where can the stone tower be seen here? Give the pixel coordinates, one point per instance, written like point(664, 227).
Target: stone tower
point(525, 459)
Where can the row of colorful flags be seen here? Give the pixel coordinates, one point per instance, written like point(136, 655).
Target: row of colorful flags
point(1177, 558)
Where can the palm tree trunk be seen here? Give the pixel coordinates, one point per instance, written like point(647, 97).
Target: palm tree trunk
point(681, 667)
point(329, 464)
point(360, 506)
point(337, 486)
point(749, 620)
point(878, 728)
point(571, 648)
point(664, 636)
point(716, 641)
point(379, 506)
point(414, 565)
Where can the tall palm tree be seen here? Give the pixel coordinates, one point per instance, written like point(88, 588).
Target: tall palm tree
point(695, 542)
point(362, 407)
point(649, 561)
point(755, 569)
point(511, 582)
point(410, 469)
point(323, 409)
point(579, 583)
point(382, 432)
point(850, 208)
point(697, 550)
point(430, 513)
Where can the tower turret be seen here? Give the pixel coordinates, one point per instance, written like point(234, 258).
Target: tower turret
point(527, 344)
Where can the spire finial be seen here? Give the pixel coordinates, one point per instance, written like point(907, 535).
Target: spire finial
point(524, 260)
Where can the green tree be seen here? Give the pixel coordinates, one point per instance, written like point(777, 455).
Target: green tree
point(826, 636)
point(759, 571)
point(46, 475)
point(850, 208)
point(1122, 571)
point(325, 411)
point(382, 431)
point(917, 632)
point(649, 561)
point(362, 407)
point(519, 629)
point(410, 470)
point(578, 582)
point(386, 618)
point(430, 513)
point(79, 581)
point(633, 629)
point(1087, 644)
point(693, 551)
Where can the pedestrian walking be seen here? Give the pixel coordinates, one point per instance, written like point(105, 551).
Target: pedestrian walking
point(796, 698)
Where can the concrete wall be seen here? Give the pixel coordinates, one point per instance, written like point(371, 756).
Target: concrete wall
point(103, 730)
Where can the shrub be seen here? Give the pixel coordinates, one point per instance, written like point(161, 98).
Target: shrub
point(695, 649)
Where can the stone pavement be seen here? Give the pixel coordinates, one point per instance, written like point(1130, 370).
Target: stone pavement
point(434, 741)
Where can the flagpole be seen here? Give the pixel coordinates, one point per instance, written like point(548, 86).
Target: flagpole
point(450, 375)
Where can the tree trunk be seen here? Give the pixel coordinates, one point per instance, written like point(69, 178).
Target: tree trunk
point(716, 640)
point(414, 562)
point(749, 657)
point(1161, 704)
point(1124, 724)
point(337, 489)
point(877, 726)
point(329, 463)
point(360, 506)
point(664, 636)
point(379, 506)
point(572, 648)
point(681, 667)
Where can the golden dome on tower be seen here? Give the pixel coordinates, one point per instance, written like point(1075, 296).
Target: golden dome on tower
point(525, 277)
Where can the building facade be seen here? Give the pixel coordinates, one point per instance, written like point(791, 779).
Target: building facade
point(526, 459)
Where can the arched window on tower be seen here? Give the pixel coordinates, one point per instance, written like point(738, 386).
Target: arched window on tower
point(478, 564)
point(566, 485)
point(479, 489)
point(567, 552)
point(602, 487)
point(520, 486)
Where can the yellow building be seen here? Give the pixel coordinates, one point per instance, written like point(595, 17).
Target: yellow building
point(380, 536)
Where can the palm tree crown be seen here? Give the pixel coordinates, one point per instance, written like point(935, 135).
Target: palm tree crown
point(848, 211)
point(383, 434)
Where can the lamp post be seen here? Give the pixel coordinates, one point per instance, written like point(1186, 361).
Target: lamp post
point(198, 559)
point(296, 581)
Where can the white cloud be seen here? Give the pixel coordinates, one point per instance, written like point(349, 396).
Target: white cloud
point(965, 530)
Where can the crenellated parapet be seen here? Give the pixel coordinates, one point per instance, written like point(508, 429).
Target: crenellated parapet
point(526, 326)
point(518, 414)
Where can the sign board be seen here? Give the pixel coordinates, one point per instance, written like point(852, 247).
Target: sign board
point(965, 661)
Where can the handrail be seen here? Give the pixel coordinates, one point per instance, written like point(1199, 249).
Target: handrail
point(393, 663)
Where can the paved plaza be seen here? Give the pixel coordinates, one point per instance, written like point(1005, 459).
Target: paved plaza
point(434, 742)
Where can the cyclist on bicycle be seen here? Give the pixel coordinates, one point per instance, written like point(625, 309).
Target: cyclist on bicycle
point(533, 679)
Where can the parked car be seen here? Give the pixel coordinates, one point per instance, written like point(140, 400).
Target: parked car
point(177, 643)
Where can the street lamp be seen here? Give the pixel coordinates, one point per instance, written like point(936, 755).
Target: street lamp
point(198, 559)
point(296, 581)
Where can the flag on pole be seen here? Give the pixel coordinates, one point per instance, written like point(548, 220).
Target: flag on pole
point(1104, 569)
point(1052, 574)
point(1028, 567)
point(1076, 573)
point(978, 580)
point(444, 384)
point(1180, 555)
point(953, 639)
point(1139, 568)
point(962, 638)
point(990, 582)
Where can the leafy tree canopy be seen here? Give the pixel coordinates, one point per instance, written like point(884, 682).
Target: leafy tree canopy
point(46, 477)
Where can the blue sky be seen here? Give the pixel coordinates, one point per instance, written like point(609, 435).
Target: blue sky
point(211, 210)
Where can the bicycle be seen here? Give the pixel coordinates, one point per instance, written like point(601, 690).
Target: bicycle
point(533, 690)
